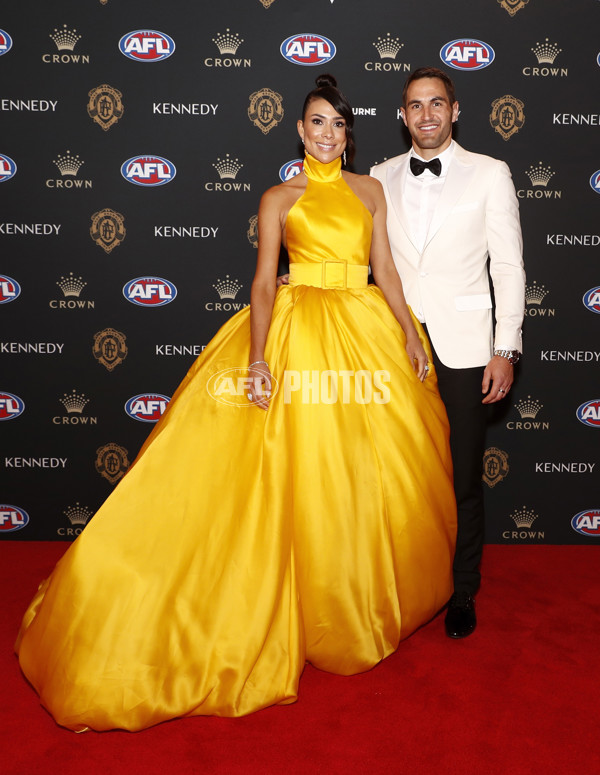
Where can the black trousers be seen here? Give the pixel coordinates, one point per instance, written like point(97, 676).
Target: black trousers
point(460, 390)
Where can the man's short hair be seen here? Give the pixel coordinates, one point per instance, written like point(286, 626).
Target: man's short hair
point(430, 72)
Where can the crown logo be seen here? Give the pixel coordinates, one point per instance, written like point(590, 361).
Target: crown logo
point(65, 39)
point(227, 289)
point(74, 402)
point(67, 164)
point(71, 285)
point(523, 517)
point(388, 47)
point(228, 42)
point(535, 294)
point(78, 515)
point(528, 407)
point(540, 175)
point(546, 52)
point(227, 167)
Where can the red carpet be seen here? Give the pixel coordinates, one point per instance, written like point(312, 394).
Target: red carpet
point(521, 696)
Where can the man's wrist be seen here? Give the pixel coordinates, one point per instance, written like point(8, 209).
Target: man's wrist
point(512, 356)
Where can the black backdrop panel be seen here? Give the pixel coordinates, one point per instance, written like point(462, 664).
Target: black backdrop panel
point(74, 231)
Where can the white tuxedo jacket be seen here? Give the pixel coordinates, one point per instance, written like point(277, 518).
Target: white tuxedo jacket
point(477, 216)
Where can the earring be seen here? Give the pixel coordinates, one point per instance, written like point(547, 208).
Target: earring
point(344, 157)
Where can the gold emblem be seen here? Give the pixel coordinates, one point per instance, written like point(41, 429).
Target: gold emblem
point(112, 462)
point(495, 466)
point(107, 229)
point(267, 3)
point(512, 6)
point(109, 348)
point(252, 232)
point(265, 110)
point(507, 116)
point(105, 105)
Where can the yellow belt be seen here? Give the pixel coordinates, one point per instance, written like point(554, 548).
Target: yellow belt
point(330, 274)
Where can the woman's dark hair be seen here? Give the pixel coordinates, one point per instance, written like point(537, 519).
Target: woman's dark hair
point(327, 90)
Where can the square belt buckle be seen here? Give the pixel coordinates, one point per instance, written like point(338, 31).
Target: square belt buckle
point(334, 274)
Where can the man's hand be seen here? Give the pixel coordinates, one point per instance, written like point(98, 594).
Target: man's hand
point(497, 379)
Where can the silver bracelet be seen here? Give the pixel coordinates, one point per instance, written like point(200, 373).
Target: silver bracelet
point(255, 362)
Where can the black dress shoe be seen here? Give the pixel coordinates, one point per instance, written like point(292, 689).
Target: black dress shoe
point(460, 616)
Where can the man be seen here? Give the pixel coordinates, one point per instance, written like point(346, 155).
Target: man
point(449, 211)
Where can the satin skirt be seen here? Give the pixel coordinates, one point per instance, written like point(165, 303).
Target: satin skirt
point(242, 543)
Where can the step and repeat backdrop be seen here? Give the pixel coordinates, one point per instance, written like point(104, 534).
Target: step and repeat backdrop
point(136, 139)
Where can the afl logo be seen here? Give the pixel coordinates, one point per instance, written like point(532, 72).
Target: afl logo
point(9, 289)
point(589, 413)
point(12, 518)
point(10, 406)
point(307, 49)
point(5, 42)
point(147, 407)
point(591, 299)
point(291, 169)
point(146, 46)
point(149, 291)
point(467, 54)
point(148, 170)
point(7, 168)
point(587, 523)
point(595, 181)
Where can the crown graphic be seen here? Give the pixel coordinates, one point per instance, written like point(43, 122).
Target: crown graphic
point(388, 47)
point(524, 517)
point(227, 167)
point(67, 164)
point(74, 402)
point(535, 294)
point(228, 42)
point(78, 515)
point(539, 175)
point(71, 285)
point(546, 52)
point(528, 407)
point(65, 39)
point(227, 289)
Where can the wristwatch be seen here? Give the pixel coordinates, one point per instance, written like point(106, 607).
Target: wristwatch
point(512, 356)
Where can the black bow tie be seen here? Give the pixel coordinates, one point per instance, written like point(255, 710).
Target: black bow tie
point(417, 167)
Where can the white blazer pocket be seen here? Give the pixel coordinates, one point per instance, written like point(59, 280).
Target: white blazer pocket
point(473, 302)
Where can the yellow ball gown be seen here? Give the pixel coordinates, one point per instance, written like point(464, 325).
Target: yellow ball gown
point(242, 542)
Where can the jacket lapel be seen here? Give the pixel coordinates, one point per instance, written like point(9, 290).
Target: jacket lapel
point(460, 174)
point(396, 176)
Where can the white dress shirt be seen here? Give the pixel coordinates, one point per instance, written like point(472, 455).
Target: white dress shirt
point(421, 194)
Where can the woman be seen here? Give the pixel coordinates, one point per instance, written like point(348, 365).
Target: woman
point(314, 521)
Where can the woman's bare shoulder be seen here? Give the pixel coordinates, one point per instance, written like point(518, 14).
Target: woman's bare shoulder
point(286, 192)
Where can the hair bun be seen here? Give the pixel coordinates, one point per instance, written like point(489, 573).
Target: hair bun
point(325, 79)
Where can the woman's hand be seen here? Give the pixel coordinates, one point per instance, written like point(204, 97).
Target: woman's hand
point(418, 356)
point(259, 391)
